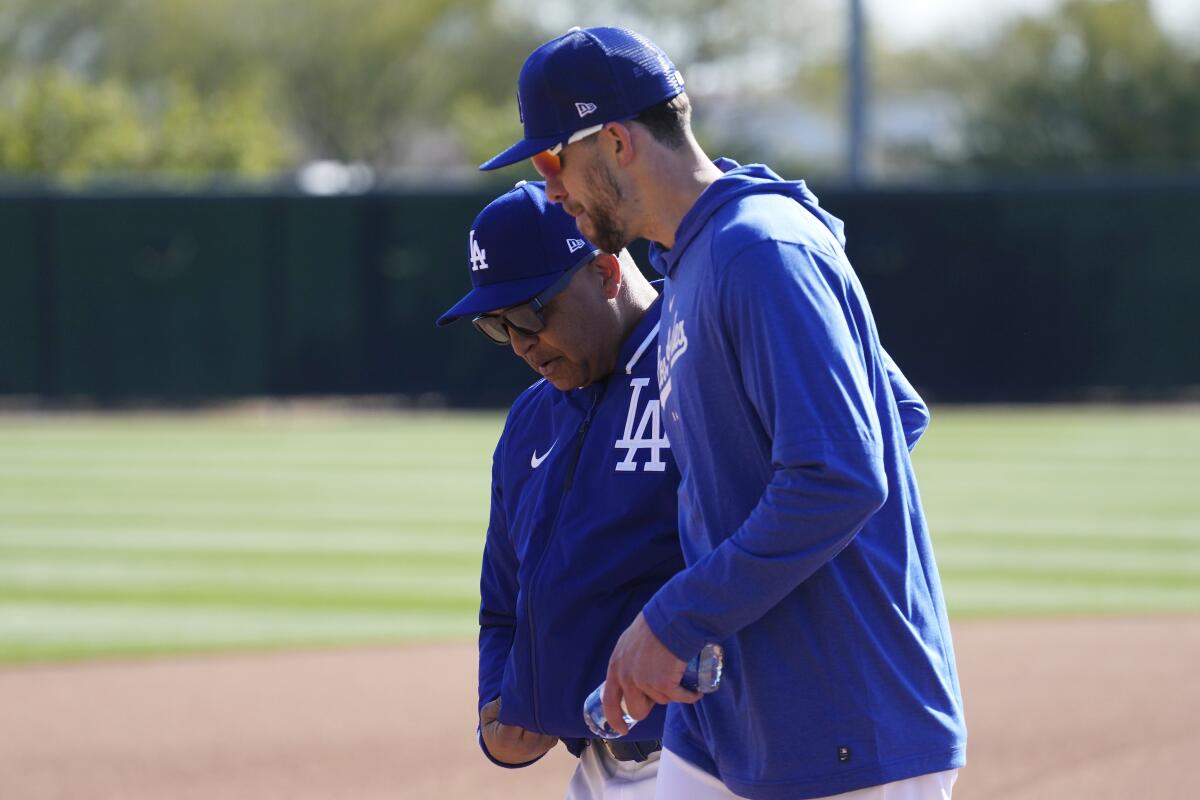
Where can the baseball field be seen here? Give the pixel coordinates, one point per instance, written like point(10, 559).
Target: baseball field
point(352, 541)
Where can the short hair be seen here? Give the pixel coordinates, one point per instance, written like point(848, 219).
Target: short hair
point(668, 121)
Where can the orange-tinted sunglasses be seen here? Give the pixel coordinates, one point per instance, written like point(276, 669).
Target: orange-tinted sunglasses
point(548, 163)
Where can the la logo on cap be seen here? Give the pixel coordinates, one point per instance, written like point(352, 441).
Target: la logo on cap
point(585, 108)
point(478, 255)
point(575, 244)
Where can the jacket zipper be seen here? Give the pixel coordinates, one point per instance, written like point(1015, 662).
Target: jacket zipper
point(580, 434)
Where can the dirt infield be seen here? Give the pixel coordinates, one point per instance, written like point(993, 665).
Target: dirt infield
point(1056, 708)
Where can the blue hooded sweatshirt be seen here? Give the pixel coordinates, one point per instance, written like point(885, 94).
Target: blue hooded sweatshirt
point(807, 551)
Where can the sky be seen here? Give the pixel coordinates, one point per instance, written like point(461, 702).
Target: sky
point(916, 22)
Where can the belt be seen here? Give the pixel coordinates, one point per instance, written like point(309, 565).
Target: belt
point(622, 750)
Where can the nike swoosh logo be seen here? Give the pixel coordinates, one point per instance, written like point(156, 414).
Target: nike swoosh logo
point(535, 460)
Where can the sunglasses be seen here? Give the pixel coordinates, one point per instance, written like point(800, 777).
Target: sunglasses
point(527, 319)
point(548, 163)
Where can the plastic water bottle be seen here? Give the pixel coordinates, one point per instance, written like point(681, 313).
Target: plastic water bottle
point(702, 674)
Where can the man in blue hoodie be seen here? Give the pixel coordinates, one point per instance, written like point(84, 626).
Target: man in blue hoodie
point(583, 528)
point(808, 556)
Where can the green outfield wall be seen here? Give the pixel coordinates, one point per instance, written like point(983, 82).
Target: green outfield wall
point(999, 294)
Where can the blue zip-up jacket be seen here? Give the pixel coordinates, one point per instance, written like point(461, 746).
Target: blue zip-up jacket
point(582, 533)
point(807, 549)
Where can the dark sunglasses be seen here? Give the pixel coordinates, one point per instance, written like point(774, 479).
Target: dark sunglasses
point(526, 319)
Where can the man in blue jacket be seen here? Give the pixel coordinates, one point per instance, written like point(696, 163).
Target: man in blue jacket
point(808, 555)
point(583, 521)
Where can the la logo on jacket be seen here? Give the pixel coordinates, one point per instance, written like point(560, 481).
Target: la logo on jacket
point(648, 433)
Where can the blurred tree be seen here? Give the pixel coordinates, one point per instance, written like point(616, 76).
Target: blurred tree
point(1096, 84)
point(421, 87)
point(53, 123)
point(243, 88)
point(56, 124)
point(227, 132)
point(191, 89)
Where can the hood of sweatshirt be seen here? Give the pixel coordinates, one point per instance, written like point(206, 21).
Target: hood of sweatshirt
point(737, 182)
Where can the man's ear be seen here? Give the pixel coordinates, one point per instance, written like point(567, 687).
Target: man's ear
point(609, 269)
point(619, 138)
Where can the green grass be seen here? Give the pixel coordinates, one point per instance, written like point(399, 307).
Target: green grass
point(127, 535)
point(1071, 510)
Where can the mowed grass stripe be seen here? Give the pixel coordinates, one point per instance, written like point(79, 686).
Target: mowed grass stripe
point(1028, 444)
point(21, 478)
point(258, 551)
point(253, 488)
point(181, 533)
point(960, 557)
point(299, 430)
point(1055, 527)
point(214, 594)
point(403, 441)
point(156, 579)
point(431, 575)
point(67, 625)
point(998, 596)
point(320, 459)
point(315, 515)
point(1163, 539)
point(1077, 494)
point(353, 547)
point(43, 621)
point(46, 622)
point(40, 632)
point(1019, 576)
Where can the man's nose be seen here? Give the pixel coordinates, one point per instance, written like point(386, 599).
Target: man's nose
point(521, 343)
point(555, 189)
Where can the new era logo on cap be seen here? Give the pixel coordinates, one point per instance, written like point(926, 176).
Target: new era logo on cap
point(585, 108)
point(576, 244)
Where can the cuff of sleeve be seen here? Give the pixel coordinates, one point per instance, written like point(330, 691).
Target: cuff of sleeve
point(493, 759)
point(682, 645)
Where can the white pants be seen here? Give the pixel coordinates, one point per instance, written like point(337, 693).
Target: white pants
point(601, 777)
point(680, 779)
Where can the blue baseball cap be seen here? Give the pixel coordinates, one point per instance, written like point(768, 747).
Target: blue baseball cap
point(586, 77)
point(520, 244)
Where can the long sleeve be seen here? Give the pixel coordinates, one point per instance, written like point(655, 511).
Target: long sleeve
point(803, 348)
point(498, 598)
point(914, 414)
point(497, 608)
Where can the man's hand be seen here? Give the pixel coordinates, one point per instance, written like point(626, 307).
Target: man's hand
point(511, 744)
point(641, 673)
